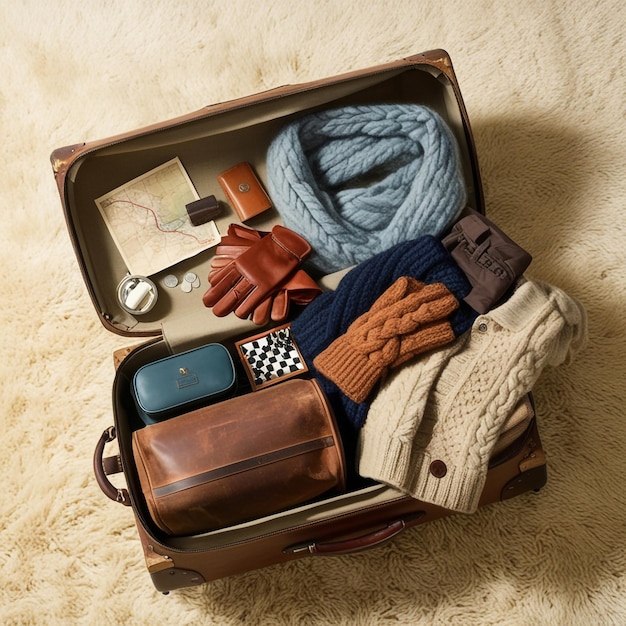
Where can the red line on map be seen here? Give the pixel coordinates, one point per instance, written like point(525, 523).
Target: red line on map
point(156, 221)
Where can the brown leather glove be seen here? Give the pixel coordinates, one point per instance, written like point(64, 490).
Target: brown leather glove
point(409, 318)
point(300, 288)
point(237, 240)
point(258, 273)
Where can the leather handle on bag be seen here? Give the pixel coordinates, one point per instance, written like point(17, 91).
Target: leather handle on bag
point(364, 542)
point(118, 495)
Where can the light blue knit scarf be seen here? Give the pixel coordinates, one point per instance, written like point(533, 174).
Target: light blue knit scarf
point(356, 180)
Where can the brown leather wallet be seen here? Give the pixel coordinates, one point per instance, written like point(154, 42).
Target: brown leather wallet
point(244, 191)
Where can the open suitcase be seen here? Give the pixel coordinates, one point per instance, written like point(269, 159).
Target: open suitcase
point(207, 142)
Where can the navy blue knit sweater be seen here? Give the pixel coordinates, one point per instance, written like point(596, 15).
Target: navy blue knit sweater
point(332, 312)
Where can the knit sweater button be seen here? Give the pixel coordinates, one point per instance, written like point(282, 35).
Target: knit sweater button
point(482, 327)
point(438, 469)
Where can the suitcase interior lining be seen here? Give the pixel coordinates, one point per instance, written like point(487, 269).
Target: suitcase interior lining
point(365, 495)
point(206, 147)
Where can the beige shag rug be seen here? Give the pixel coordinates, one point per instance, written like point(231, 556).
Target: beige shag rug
point(544, 85)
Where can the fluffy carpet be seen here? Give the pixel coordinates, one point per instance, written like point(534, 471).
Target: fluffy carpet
point(544, 86)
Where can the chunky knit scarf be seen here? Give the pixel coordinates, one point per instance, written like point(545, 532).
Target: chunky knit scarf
point(357, 180)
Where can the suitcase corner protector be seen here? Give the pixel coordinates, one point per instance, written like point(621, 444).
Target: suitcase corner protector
point(167, 580)
point(533, 480)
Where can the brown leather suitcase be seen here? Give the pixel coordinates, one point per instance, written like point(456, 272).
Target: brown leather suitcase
point(209, 141)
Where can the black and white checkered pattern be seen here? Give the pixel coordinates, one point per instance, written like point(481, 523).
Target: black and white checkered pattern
point(272, 356)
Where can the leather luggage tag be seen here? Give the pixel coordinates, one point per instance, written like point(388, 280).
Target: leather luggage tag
point(244, 191)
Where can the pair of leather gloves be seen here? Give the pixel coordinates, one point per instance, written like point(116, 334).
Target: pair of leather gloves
point(256, 274)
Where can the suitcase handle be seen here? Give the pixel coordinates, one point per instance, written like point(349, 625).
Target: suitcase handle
point(118, 495)
point(364, 542)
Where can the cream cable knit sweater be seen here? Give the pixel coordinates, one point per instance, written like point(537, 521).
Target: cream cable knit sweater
point(432, 427)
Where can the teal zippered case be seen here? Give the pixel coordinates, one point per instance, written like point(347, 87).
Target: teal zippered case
point(182, 382)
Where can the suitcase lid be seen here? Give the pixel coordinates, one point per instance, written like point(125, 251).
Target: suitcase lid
point(206, 142)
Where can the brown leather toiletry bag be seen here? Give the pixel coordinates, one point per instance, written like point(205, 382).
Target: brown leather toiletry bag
point(240, 459)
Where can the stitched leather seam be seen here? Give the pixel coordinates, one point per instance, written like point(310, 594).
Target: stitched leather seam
point(243, 466)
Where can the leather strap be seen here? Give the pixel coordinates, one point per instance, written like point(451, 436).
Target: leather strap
point(112, 465)
point(242, 466)
point(356, 544)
